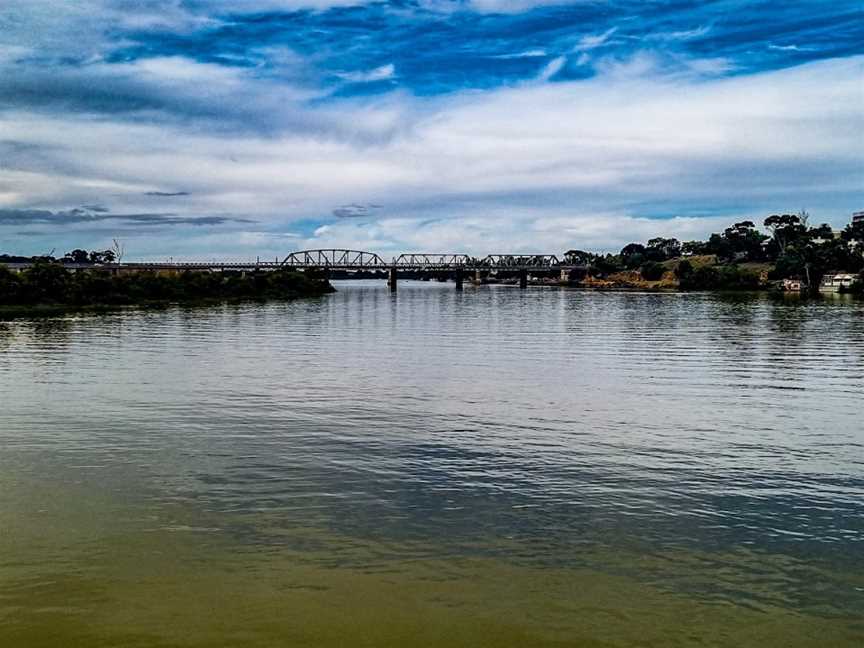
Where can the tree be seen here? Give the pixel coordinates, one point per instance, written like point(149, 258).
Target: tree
point(45, 283)
point(719, 246)
point(652, 271)
point(118, 250)
point(739, 241)
point(814, 253)
point(9, 286)
point(854, 232)
point(77, 256)
point(786, 228)
point(106, 256)
point(633, 255)
point(690, 248)
point(683, 270)
point(606, 264)
point(578, 257)
point(661, 249)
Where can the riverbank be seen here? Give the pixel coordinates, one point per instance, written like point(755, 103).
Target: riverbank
point(699, 273)
point(50, 289)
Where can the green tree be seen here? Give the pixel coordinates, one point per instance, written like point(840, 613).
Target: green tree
point(9, 286)
point(693, 247)
point(578, 257)
point(745, 241)
point(661, 249)
point(683, 270)
point(652, 271)
point(106, 256)
point(632, 255)
point(77, 256)
point(45, 283)
point(786, 229)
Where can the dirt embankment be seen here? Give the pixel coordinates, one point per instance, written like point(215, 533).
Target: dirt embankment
point(631, 280)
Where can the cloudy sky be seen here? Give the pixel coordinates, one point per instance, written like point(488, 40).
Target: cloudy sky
point(243, 128)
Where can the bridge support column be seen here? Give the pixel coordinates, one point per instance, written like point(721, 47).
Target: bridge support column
point(391, 280)
point(566, 275)
point(458, 278)
point(478, 277)
point(523, 278)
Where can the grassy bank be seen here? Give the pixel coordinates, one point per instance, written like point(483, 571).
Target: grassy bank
point(50, 289)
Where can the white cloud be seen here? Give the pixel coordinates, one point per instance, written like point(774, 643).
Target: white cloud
point(681, 35)
point(534, 53)
point(789, 48)
point(381, 73)
point(514, 6)
point(534, 167)
point(255, 6)
point(593, 41)
point(552, 68)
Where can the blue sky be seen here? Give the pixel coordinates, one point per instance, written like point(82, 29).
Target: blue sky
point(219, 128)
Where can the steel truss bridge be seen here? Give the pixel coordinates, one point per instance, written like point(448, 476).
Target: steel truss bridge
point(357, 260)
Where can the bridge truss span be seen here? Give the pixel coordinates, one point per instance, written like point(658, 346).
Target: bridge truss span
point(335, 258)
point(521, 262)
point(426, 261)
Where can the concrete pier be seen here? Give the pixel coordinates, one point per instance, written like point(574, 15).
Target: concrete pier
point(392, 279)
point(458, 278)
point(523, 278)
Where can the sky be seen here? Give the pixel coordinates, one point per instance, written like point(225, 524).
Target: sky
point(235, 129)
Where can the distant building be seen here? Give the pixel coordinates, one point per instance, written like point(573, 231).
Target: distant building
point(858, 217)
point(834, 282)
point(794, 285)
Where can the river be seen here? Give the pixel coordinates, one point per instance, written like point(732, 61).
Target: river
point(492, 467)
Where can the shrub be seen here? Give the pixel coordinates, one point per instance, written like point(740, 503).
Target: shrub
point(652, 271)
point(9, 286)
point(720, 278)
point(50, 283)
point(683, 270)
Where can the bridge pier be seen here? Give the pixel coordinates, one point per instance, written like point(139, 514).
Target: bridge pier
point(523, 278)
point(458, 278)
point(392, 278)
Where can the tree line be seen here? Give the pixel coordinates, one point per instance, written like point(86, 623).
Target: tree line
point(793, 248)
point(114, 254)
point(47, 283)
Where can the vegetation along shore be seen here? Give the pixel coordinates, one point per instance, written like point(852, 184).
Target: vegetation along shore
point(48, 287)
point(793, 256)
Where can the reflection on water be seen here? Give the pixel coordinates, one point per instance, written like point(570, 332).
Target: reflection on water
point(492, 467)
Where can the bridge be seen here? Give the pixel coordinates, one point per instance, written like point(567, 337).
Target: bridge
point(458, 264)
point(353, 260)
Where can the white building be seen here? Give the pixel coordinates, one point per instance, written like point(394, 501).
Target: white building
point(833, 282)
